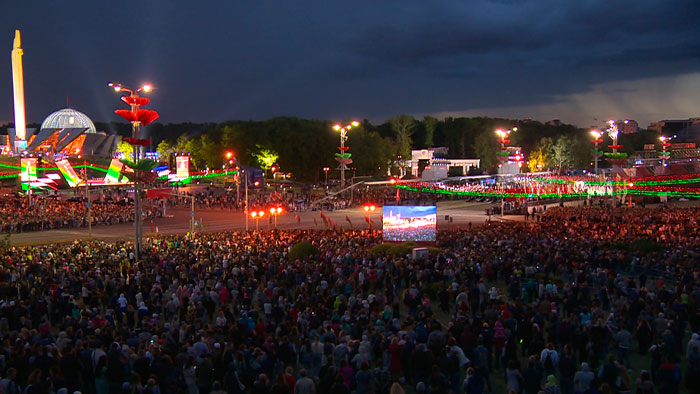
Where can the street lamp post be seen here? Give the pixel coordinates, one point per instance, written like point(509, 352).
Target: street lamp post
point(257, 215)
point(504, 141)
point(137, 117)
point(616, 159)
point(229, 161)
point(613, 132)
point(503, 158)
point(245, 209)
point(596, 153)
point(369, 208)
point(665, 144)
point(344, 157)
point(276, 211)
point(325, 169)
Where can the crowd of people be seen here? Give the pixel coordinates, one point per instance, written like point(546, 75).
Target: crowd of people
point(21, 214)
point(512, 307)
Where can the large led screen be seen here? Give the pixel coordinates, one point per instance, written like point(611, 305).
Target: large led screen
point(402, 223)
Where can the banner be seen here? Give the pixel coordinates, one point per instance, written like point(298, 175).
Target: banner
point(114, 171)
point(68, 173)
point(182, 163)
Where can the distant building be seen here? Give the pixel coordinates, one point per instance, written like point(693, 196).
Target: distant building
point(628, 126)
point(690, 133)
point(554, 122)
point(673, 126)
point(432, 163)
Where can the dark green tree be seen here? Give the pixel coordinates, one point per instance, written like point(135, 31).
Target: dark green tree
point(403, 126)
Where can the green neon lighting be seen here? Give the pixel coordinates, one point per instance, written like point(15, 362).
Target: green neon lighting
point(549, 195)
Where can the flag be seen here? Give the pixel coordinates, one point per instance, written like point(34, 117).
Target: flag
point(367, 219)
point(348, 219)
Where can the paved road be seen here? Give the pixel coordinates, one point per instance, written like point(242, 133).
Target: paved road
point(178, 221)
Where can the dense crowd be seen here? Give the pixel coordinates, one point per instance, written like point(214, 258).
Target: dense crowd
point(545, 306)
point(36, 213)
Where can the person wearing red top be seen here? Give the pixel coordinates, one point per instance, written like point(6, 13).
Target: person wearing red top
point(499, 341)
point(223, 295)
point(293, 314)
point(289, 378)
point(260, 329)
point(395, 353)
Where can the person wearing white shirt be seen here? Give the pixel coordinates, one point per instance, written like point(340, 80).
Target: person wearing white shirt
point(463, 360)
point(549, 359)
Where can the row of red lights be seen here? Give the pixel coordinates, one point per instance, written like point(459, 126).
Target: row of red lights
point(369, 208)
point(259, 213)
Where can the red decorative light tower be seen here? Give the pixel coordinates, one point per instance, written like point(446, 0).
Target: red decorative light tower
point(137, 117)
point(615, 158)
point(504, 141)
point(596, 152)
point(665, 144)
point(344, 157)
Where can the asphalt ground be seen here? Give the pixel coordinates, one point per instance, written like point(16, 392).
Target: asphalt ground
point(177, 221)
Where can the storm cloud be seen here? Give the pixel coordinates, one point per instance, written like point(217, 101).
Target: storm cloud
point(222, 60)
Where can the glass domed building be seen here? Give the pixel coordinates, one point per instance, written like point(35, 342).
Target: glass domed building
point(68, 118)
point(71, 132)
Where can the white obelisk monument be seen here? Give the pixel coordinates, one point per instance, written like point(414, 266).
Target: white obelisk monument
point(18, 85)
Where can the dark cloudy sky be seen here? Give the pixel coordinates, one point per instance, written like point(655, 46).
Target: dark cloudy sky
point(216, 60)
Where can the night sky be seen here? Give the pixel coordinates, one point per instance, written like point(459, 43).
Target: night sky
point(219, 60)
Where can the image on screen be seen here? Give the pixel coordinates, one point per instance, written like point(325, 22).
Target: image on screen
point(409, 223)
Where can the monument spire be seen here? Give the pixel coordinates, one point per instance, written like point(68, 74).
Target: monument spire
point(18, 87)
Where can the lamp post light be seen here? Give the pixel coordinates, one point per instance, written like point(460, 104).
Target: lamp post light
point(665, 144)
point(369, 208)
point(503, 157)
point(596, 153)
point(276, 211)
point(245, 210)
point(229, 163)
point(613, 132)
point(344, 157)
point(257, 215)
point(88, 202)
point(326, 169)
point(504, 141)
point(137, 117)
point(615, 158)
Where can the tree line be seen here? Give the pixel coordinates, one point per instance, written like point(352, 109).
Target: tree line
point(304, 146)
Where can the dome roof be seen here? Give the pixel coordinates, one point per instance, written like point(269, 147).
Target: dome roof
point(68, 119)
